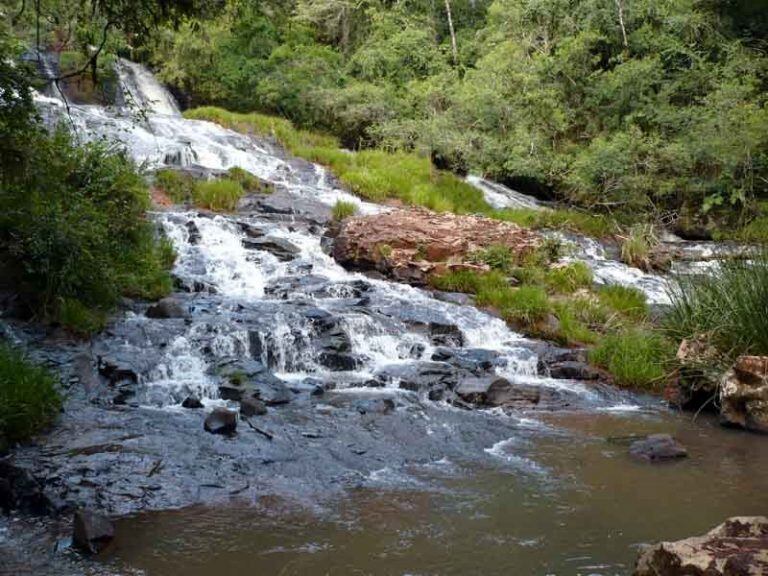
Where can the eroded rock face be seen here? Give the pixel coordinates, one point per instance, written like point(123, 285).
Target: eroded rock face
point(744, 394)
point(409, 245)
point(738, 547)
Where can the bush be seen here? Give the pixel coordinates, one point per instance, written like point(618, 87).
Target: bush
point(636, 358)
point(218, 194)
point(73, 229)
point(343, 210)
point(731, 306)
point(28, 397)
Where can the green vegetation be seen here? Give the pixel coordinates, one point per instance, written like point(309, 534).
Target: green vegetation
point(624, 300)
point(634, 357)
point(637, 245)
point(641, 108)
point(730, 308)
point(177, 185)
point(343, 209)
point(221, 195)
point(250, 183)
point(28, 397)
point(73, 233)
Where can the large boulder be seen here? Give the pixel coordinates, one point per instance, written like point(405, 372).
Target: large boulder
point(91, 531)
point(738, 547)
point(411, 244)
point(744, 394)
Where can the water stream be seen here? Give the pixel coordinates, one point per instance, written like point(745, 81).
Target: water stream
point(427, 489)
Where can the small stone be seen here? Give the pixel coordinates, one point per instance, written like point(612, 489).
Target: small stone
point(658, 448)
point(91, 531)
point(221, 421)
point(192, 403)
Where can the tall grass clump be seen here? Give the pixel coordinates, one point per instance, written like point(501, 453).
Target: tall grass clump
point(635, 357)
point(731, 306)
point(343, 209)
point(28, 397)
point(218, 195)
point(625, 300)
point(177, 185)
point(637, 245)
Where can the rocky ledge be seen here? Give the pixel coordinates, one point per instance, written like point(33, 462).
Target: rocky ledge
point(738, 547)
point(409, 245)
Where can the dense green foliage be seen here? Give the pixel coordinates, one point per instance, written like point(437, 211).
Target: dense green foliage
point(729, 309)
point(609, 104)
point(28, 397)
point(73, 235)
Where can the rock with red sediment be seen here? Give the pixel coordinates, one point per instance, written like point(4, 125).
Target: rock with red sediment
point(411, 244)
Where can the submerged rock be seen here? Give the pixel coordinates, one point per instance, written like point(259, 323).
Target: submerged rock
point(221, 421)
point(738, 547)
point(658, 448)
point(282, 249)
point(744, 395)
point(411, 244)
point(91, 531)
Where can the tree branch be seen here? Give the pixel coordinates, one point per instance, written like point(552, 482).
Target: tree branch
point(20, 13)
point(92, 60)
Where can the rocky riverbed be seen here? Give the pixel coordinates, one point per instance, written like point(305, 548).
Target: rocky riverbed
point(328, 385)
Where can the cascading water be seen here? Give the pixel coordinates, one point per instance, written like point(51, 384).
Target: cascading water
point(381, 323)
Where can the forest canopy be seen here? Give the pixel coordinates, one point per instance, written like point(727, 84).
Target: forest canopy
point(608, 104)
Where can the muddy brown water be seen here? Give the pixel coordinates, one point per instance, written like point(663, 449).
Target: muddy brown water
point(570, 502)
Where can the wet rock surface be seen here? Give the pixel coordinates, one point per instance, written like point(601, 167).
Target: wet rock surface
point(91, 532)
point(410, 245)
point(738, 547)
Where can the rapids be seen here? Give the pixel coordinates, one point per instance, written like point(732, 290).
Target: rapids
point(365, 466)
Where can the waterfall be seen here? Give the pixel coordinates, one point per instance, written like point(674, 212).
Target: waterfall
point(251, 305)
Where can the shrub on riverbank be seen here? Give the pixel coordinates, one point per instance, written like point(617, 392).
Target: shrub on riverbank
point(731, 306)
point(73, 231)
point(28, 397)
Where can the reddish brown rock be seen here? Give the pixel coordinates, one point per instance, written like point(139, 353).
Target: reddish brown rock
point(744, 394)
point(411, 244)
point(738, 547)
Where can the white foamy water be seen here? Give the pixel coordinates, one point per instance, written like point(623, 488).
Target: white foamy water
point(499, 196)
point(216, 257)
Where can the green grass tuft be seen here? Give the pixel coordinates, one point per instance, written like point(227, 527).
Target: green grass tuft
point(250, 183)
point(343, 209)
point(624, 300)
point(731, 306)
point(636, 358)
point(568, 278)
point(218, 195)
point(28, 397)
point(177, 185)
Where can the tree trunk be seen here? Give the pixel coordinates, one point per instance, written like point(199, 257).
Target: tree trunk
point(620, 8)
point(454, 48)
